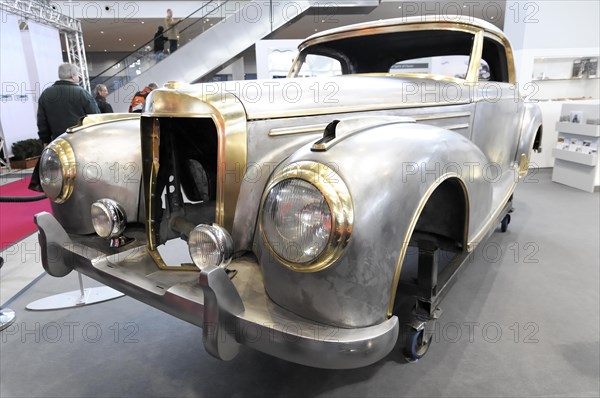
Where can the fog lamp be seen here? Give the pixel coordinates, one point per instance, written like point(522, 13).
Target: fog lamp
point(210, 245)
point(108, 218)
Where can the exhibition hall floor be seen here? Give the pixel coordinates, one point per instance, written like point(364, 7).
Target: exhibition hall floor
point(522, 320)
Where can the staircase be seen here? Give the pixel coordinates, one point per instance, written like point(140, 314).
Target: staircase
point(242, 25)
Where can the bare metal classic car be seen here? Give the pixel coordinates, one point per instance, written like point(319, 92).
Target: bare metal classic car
point(325, 215)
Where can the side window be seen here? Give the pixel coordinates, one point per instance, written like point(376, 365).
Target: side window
point(493, 62)
point(320, 65)
point(484, 71)
point(445, 65)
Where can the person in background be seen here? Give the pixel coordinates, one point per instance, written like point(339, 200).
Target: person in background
point(172, 32)
point(63, 104)
point(139, 98)
point(159, 43)
point(100, 92)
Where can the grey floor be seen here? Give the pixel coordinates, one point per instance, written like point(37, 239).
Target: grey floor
point(523, 320)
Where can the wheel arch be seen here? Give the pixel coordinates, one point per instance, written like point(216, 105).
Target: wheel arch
point(436, 214)
point(531, 131)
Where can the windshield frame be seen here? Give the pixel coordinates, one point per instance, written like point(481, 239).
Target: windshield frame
point(307, 47)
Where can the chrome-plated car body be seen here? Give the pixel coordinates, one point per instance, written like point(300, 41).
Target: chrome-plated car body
point(323, 183)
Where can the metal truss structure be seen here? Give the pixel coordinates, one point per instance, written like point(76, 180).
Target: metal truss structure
point(44, 13)
point(70, 28)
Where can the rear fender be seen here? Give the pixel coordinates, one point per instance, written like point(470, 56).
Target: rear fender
point(531, 136)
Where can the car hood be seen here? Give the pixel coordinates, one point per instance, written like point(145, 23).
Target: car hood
point(279, 98)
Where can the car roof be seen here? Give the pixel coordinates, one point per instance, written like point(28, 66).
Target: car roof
point(435, 21)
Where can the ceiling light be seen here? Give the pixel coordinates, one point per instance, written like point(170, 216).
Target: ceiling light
point(143, 22)
point(101, 32)
point(134, 45)
point(119, 39)
point(104, 50)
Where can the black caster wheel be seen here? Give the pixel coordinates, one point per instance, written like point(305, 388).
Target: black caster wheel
point(504, 223)
point(416, 344)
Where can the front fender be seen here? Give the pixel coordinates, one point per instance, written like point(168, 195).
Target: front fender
point(389, 170)
point(108, 165)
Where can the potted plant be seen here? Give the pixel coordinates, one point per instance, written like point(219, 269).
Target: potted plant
point(26, 153)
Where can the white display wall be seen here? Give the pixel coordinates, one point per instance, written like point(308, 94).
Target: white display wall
point(553, 30)
point(29, 62)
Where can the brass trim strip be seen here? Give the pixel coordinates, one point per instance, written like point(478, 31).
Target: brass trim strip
point(349, 109)
point(68, 165)
point(423, 20)
point(411, 227)
point(233, 153)
point(442, 116)
point(179, 114)
point(456, 126)
point(523, 166)
point(155, 165)
point(472, 245)
point(313, 128)
point(475, 61)
point(510, 58)
point(101, 118)
point(338, 198)
point(297, 130)
point(375, 30)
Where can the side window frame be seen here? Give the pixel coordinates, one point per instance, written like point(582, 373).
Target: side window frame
point(498, 61)
point(345, 63)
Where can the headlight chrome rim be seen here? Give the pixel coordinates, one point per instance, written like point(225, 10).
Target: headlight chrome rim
point(66, 156)
point(338, 198)
point(115, 214)
point(221, 239)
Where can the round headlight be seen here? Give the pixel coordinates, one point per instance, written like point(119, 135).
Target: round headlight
point(210, 245)
point(306, 217)
point(109, 218)
point(57, 170)
point(296, 220)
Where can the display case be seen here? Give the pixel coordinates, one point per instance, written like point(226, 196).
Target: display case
point(565, 78)
point(561, 77)
point(576, 149)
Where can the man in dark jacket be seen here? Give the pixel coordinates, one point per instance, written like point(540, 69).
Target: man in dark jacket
point(63, 104)
point(100, 93)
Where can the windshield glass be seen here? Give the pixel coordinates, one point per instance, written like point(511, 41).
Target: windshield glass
point(320, 65)
point(443, 52)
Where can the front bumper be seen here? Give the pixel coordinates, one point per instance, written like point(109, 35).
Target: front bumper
point(231, 312)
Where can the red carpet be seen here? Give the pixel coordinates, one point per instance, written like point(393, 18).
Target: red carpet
point(16, 219)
